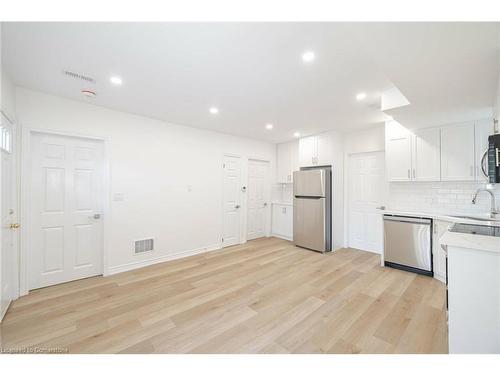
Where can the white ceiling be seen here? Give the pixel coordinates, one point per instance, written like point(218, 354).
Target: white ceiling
point(254, 74)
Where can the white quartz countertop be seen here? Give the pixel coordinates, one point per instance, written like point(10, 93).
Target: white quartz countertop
point(444, 216)
point(471, 241)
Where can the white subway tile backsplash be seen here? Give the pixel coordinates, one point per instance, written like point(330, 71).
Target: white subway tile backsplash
point(444, 197)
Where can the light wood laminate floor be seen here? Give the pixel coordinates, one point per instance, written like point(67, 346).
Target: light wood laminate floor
point(266, 296)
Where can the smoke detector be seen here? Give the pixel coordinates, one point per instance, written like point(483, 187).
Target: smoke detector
point(89, 93)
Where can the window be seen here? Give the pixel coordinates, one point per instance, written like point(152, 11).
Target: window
point(5, 139)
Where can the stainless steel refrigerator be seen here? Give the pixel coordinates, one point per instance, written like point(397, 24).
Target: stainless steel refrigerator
point(312, 202)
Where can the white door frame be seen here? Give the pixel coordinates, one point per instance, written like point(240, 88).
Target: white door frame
point(26, 156)
point(267, 226)
point(15, 155)
point(347, 205)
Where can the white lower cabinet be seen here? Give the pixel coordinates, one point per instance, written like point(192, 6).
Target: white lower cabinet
point(282, 221)
point(438, 254)
point(473, 301)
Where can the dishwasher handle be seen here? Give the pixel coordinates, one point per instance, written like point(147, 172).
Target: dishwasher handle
point(405, 219)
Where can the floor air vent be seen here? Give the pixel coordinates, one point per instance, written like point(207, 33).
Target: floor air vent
point(141, 246)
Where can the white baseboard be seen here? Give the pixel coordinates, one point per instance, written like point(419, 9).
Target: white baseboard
point(440, 277)
point(282, 237)
point(165, 258)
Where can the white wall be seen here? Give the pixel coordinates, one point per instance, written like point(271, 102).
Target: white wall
point(7, 92)
point(170, 175)
point(368, 140)
point(337, 142)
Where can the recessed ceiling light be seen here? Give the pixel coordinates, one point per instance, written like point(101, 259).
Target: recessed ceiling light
point(89, 93)
point(214, 110)
point(115, 80)
point(308, 56)
point(296, 134)
point(269, 126)
point(361, 96)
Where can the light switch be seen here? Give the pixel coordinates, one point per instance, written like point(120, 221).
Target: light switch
point(118, 197)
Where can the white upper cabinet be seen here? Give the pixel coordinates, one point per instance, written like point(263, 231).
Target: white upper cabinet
point(448, 153)
point(308, 151)
point(483, 130)
point(315, 150)
point(324, 149)
point(457, 152)
point(287, 161)
point(426, 158)
point(398, 142)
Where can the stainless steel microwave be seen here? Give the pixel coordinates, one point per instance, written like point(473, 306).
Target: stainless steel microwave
point(490, 162)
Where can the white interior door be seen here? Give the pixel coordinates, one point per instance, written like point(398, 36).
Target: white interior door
point(231, 200)
point(367, 191)
point(258, 198)
point(8, 216)
point(66, 200)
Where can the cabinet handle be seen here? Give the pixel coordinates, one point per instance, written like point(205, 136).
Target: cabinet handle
point(413, 173)
point(471, 170)
point(283, 210)
point(409, 176)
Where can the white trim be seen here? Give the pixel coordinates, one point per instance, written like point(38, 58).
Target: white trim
point(6, 117)
point(165, 258)
point(25, 200)
point(282, 237)
point(440, 277)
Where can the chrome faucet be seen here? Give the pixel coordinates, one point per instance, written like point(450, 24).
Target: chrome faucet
point(493, 211)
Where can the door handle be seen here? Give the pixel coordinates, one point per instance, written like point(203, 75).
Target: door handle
point(237, 206)
point(265, 204)
point(95, 216)
point(14, 226)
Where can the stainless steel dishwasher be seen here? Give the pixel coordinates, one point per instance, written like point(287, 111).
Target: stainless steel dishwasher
point(408, 243)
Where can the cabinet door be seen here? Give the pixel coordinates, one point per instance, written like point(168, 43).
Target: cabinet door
point(457, 153)
point(398, 152)
point(282, 221)
point(483, 129)
point(438, 254)
point(426, 155)
point(308, 151)
point(324, 149)
point(283, 170)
